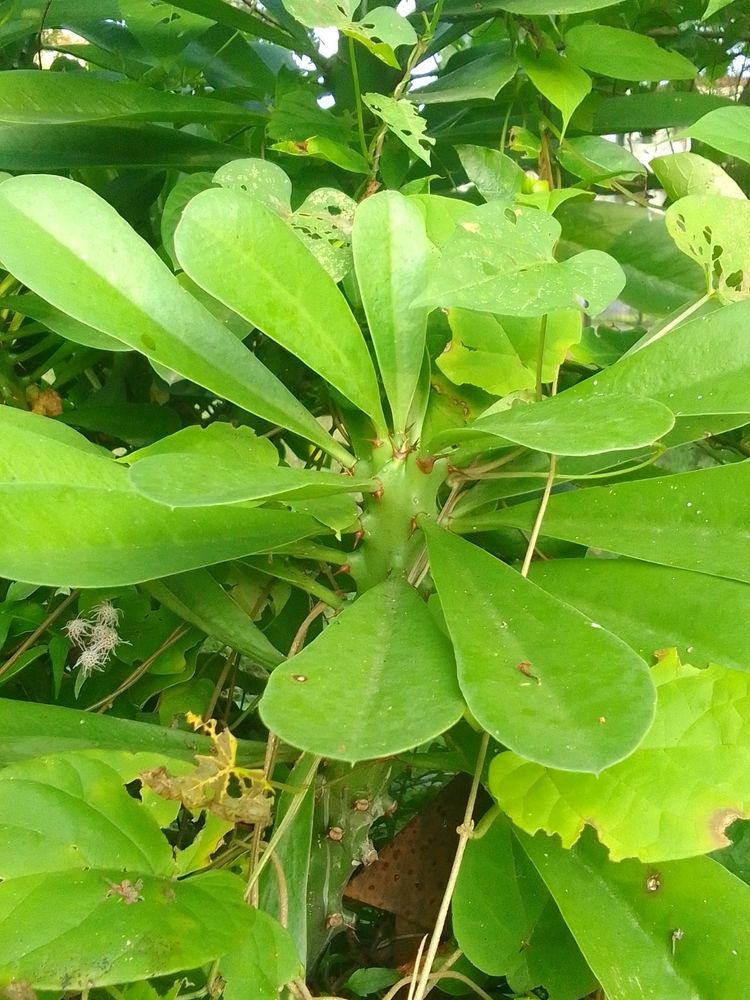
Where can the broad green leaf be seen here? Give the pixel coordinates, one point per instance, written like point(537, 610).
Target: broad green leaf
point(658, 277)
point(31, 97)
point(711, 230)
point(555, 7)
point(76, 930)
point(638, 807)
point(580, 702)
point(655, 607)
point(68, 245)
point(56, 320)
point(694, 520)
point(403, 121)
point(524, 938)
point(654, 110)
point(218, 440)
point(73, 811)
point(392, 256)
point(75, 146)
point(624, 55)
point(572, 425)
point(597, 161)
point(261, 179)
point(481, 353)
point(362, 664)
point(682, 174)
point(187, 187)
point(240, 20)
point(46, 482)
point(496, 176)
point(29, 730)
point(650, 932)
point(479, 79)
point(726, 129)
point(561, 330)
point(714, 6)
point(366, 981)
point(265, 962)
point(323, 148)
point(242, 254)
point(502, 262)
point(201, 600)
point(701, 367)
point(557, 78)
point(183, 480)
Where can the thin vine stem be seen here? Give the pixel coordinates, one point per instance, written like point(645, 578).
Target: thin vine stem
point(464, 835)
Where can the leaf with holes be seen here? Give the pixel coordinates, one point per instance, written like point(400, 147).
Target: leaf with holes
point(324, 223)
point(502, 262)
point(711, 229)
point(261, 179)
point(403, 121)
point(381, 31)
point(582, 701)
point(699, 732)
point(360, 663)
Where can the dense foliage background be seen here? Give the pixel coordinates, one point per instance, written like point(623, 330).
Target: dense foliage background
point(373, 499)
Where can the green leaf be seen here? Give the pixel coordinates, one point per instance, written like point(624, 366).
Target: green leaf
point(29, 730)
point(76, 813)
point(72, 930)
point(496, 176)
point(403, 121)
point(480, 79)
point(625, 55)
point(324, 223)
point(524, 939)
point(726, 129)
point(580, 703)
point(555, 7)
point(710, 229)
point(365, 981)
point(699, 732)
point(242, 254)
point(672, 941)
point(59, 322)
point(557, 78)
point(261, 179)
point(481, 353)
point(218, 440)
point(74, 146)
point(31, 97)
point(713, 7)
point(654, 110)
point(596, 160)
point(67, 244)
point(263, 964)
point(655, 607)
point(134, 423)
point(570, 425)
point(45, 484)
point(187, 187)
point(183, 480)
point(693, 520)
point(381, 31)
point(201, 600)
point(503, 263)
point(658, 277)
point(392, 256)
point(702, 367)
point(681, 174)
point(360, 664)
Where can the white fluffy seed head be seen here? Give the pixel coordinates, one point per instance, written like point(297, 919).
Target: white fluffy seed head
point(77, 630)
point(104, 637)
point(91, 659)
point(107, 614)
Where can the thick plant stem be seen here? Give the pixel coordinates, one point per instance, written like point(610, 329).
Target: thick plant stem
point(464, 835)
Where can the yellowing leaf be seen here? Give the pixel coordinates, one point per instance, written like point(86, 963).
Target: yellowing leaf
point(673, 797)
point(233, 793)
